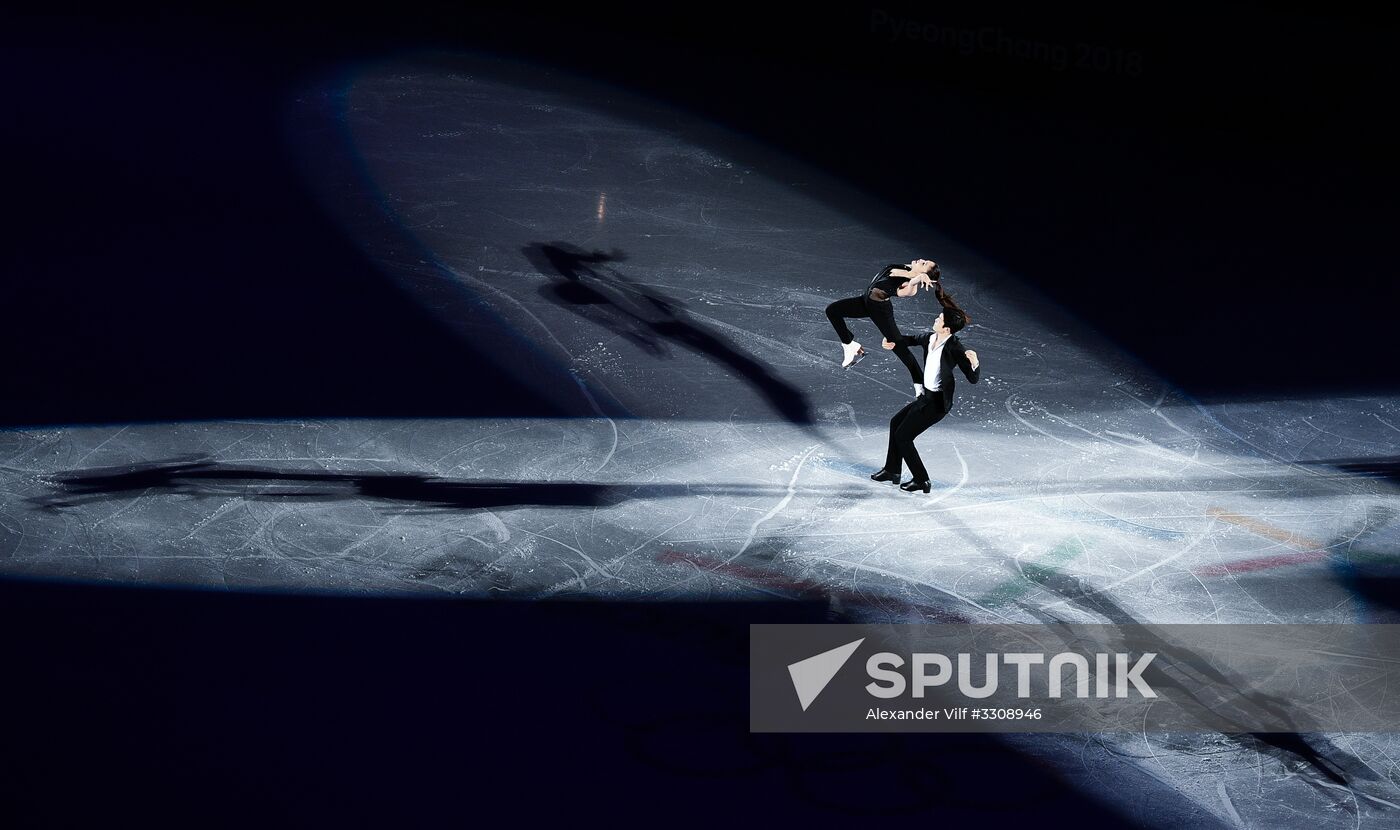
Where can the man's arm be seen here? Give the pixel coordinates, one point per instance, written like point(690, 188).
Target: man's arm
point(967, 360)
point(908, 340)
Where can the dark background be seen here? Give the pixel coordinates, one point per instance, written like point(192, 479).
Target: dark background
point(1216, 195)
point(1223, 173)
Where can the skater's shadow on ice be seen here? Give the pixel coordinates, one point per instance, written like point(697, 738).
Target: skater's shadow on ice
point(588, 286)
point(1386, 468)
point(206, 478)
point(1325, 766)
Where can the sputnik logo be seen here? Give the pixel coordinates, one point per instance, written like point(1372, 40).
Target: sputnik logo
point(811, 676)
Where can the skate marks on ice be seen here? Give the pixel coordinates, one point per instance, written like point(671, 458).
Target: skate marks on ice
point(1065, 438)
point(1066, 466)
point(366, 506)
point(1181, 532)
point(476, 173)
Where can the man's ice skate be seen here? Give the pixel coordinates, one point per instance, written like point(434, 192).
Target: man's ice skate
point(854, 353)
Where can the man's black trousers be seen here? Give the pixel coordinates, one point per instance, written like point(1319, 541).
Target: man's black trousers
point(917, 416)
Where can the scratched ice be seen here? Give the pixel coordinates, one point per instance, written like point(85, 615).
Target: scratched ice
point(665, 281)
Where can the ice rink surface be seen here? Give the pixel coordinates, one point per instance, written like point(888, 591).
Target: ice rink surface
point(665, 281)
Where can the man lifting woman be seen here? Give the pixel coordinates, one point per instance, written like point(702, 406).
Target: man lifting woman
point(876, 303)
point(933, 383)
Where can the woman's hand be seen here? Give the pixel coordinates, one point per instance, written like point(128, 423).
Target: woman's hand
point(887, 344)
point(972, 358)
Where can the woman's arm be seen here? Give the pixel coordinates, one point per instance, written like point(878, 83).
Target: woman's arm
point(916, 278)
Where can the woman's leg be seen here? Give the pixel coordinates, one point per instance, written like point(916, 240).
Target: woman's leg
point(839, 311)
point(882, 314)
point(916, 373)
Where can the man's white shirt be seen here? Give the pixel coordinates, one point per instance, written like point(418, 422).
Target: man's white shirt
point(933, 365)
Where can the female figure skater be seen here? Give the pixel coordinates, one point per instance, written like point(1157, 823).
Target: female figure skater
point(942, 350)
point(892, 281)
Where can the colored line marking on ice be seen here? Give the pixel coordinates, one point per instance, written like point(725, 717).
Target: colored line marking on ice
point(1263, 563)
point(1050, 563)
point(1309, 550)
point(1283, 560)
point(1266, 530)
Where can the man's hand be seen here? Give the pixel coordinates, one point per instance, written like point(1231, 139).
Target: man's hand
point(887, 344)
point(972, 356)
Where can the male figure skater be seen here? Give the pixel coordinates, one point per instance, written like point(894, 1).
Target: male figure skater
point(942, 350)
point(892, 281)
